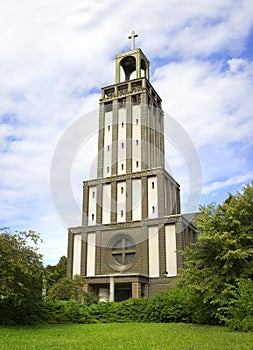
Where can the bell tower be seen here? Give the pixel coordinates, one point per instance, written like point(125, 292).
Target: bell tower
point(131, 226)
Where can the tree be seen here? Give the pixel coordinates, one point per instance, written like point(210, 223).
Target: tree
point(53, 273)
point(21, 276)
point(223, 252)
point(68, 288)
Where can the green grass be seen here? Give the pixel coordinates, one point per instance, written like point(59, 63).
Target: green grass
point(125, 336)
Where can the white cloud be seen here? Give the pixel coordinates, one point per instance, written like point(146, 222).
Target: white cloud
point(236, 180)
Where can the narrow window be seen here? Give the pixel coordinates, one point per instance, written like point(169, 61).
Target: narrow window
point(137, 164)
point(137, 142)
point(121, 213)
point(108, 169)
point(92, 217)
point(122, 124)
point(136, 99)
point(108, 148)
point(122, 145)
point(122, 103)
point(137, 121)
point(153, 209)
point(93, 194)
point(153, 185)
point(108, 107)
point(122, 189)
point(109, 127)
point(122, 166)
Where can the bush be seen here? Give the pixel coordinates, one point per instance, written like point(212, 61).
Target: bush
point(179, 304)
point(174, 305)
point(66, 312)
point(238, 314)
point(131, 310)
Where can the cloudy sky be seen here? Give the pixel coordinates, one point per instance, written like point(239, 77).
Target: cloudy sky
point(57, 54)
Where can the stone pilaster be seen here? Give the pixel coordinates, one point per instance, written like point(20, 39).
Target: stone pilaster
point(136, 290)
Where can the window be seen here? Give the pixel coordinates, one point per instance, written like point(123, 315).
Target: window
point(123, 251)
point(122, 190)
point(122, 166)
point(137, 164)
point(122, 124)
point(122, 213)
point(153, 209)
point(153, 185)
point(108, 106)
point(92, 217)
point(137, 142)
point(108, 169)
point(137, 121)
point(136, 99)
point(122, 103)
point(93, 194)
point(122, 145)
point(108, 148)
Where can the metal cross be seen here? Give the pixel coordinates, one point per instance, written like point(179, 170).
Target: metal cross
point(132, 37)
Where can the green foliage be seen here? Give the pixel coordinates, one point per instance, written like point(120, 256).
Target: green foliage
point(131, 310)
point(238, 314)
point(68, 288)
point(223, 251)
point(21, 276)
point(179, 304)
point(62, 311)
point(53, 273)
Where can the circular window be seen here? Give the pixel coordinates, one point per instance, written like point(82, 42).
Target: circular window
point(123, 251)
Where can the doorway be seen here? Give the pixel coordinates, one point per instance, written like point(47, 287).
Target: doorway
point(123, 291)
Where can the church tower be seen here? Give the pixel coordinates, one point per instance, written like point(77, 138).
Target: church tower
point(131, 225)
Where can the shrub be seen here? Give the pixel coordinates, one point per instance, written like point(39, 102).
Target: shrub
point(174, 305)
point(238, 314)
point(62, 311)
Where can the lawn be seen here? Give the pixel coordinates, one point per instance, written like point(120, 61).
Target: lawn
point(125, 336)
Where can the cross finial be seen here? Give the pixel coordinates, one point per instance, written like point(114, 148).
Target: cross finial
point(132, 37)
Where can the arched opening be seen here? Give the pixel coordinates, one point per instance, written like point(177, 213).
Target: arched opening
point(128, 64)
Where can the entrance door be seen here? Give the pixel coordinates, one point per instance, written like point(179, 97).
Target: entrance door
point(123, 291)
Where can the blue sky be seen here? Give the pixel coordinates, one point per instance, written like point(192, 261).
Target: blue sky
point(56, 55)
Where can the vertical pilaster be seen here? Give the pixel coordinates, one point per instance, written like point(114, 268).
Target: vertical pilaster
point(85, 204)
point(114, 202)
point(162, 250)
point(128, 135)
point(100, 163)
point(115, 138)
point(138, 66)
point(144, 133)
point(84, 254)
point(161, 194)
point(144, 197)
point(99, 204)
point(136, 290)
point(70, 253)
point(111, 294)
point(128, 200)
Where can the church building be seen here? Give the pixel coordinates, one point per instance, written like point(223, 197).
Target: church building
point(132, 228)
